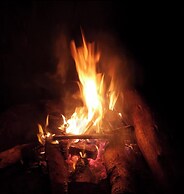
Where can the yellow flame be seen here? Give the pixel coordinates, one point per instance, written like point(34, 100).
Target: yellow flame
point(113, 95)
point(92, 90)
point(40, 134)
point(91, 86)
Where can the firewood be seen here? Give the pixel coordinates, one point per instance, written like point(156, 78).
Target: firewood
point(12, 155)
point(57, 168)
point(118, 169)
point(146, 133)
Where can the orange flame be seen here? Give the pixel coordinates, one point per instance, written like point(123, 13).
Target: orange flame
point(92, 90)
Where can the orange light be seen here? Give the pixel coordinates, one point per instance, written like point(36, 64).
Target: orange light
point(92, 90)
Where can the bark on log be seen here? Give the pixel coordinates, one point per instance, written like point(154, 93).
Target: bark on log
point(57, 167)
point(12, 155)
point(146, 134)
point(117, 168)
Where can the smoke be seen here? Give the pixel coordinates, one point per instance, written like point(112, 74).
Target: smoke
point(62, 56)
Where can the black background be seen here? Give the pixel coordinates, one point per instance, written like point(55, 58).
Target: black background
point(151, 32)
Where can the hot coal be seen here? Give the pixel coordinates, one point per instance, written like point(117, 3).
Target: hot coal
point(90, 150)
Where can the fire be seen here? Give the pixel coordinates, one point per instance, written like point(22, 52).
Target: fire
point(99, 95)
point(92, 89)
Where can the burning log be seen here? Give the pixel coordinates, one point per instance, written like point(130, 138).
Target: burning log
point(57, 167)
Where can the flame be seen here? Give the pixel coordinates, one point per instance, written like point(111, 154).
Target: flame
point(92, 89)
point(113, 95)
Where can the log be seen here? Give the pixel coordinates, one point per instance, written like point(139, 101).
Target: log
point(57, 168)
point(146, 134)
point(126, 167)
point(12, 155)
point(118, 170)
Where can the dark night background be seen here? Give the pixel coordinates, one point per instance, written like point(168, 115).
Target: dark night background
point(150, 32)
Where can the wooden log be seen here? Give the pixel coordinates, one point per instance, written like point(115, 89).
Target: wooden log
point(57, 167)
point(147, 136)
point(12, 155)
point(117, 167)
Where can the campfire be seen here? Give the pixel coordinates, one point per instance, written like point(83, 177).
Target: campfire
point(82, 138)
point(99, 142)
